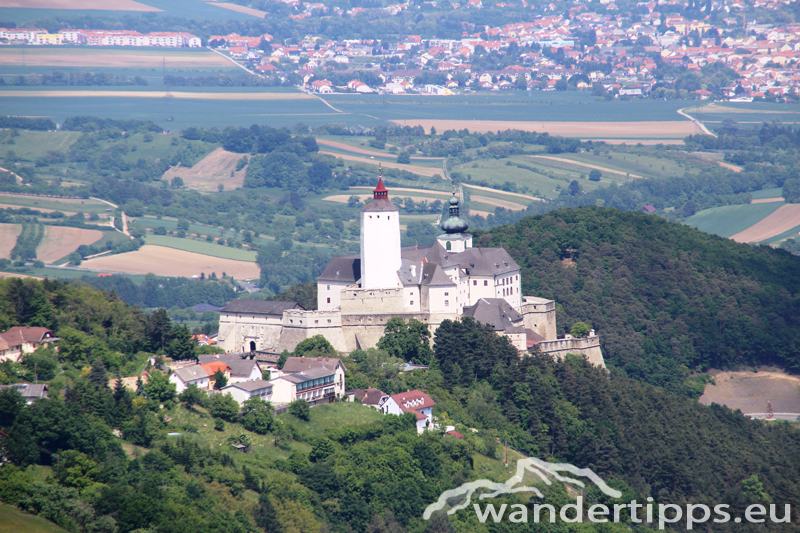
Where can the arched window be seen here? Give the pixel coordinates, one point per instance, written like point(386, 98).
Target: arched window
point(252, 346)
point(448, 245)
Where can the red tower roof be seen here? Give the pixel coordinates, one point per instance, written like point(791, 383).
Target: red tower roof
point(380, 191)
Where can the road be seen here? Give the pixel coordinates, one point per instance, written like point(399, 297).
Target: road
point(777, 416)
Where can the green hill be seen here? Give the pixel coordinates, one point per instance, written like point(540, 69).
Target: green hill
point(665, 298)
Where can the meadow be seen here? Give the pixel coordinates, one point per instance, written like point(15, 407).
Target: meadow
point(88, 205)
point(729, 220)
point(12, 520)
point(201, 247)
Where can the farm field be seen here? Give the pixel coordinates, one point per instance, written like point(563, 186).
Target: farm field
point(416, 169)
point(750, 391)
point(201, 247)
point(786, 217)
point(672, 129)
point(729, 220)
point(751, 114)
point(12, 520)
point(60, 241)
point(8, 238)
point(73, 205)
point(109, 5)
point(163, 261)
point(32, 144)
point(179, 95)
point(68, 56)
point(222, 112)
point(198, 9)
point(767, 193)
point(211, 172)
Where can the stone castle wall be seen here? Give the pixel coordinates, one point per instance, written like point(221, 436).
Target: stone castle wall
point(587, 346)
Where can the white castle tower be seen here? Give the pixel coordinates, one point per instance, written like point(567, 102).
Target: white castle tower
point(380, 241)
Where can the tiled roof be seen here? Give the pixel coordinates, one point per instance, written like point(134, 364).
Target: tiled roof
point(413, 401)
point(19, 335)
point(191, 373)
point(305, 364)
point(262, 307)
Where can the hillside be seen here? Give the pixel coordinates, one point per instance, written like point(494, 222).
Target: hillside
point(666, 299)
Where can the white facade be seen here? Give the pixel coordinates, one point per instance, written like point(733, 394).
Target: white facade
point(189, 375)
point(380, 242)
point(251, 389)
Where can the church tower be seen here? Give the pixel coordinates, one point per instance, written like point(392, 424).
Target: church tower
point(454, 237)
point(380, 241)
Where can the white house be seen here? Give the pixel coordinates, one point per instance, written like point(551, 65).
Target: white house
point(30, 392)
point(419, 403)
point(189, 375)
point(304, 365)
point(377, 399)
point(243, 391)
point(242, 368)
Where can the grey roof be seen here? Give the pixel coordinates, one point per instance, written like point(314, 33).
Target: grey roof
point(496, 312)
point(251, 386)
point(239, 366)
point(369, 396)
point(433, 276)
point(262, 307)
point(28, 390)
point(302, 377)
point(414, 253)
point(202, 308)
point(475, 261)
point(191, 373)
point(305, 364)
point(342, 269)
point(379, 205)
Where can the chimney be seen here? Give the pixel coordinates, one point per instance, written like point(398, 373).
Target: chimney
point(303, 359)
point(319, 358)
point(413, 271)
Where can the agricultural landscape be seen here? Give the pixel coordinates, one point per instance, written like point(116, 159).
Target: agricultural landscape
point(160, 159)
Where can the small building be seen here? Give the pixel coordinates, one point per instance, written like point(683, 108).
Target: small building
point(20, 340)
point(305, 365)
point(377, 399)
point(419, 403)
point(239, 368)
point(243, 391)
point(30, 392)
point(648, 209)
point(316, 386)
point(189, 375)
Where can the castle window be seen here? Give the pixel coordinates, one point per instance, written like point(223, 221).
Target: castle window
point(411, 302)
point(329, 287)
point(388, 218)
point(447, 303)
point(475, 282)
point(316, 322)
point(486, 283)
point(329, 300)
point(447, 294)
point(379, 216)
point(448, 245)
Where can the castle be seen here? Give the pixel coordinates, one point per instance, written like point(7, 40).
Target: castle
point(358, 294)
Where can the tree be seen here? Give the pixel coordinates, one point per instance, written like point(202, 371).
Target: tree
point(321, 449)
point(97, 375)
point(282, 359)
point(11, 402)
point(183, 346)
point(75, 258)
point(257, 416)
point(791, 190)
point(223, 406)
point(300, 409)
point(176, 183)
point(595, 175)
point(159, 330)
point(409, 342)
point(159, 388)
point(574, 188)
point(266, 516)
point(404, 158)
point(220, 380)
point(192, 396)
point(315, 346)
point(580, 330)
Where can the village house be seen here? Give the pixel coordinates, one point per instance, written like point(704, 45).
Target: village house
point(21, 340)
point(245, 390)
point(420, 404)
point(189, 375)
point(30, 392)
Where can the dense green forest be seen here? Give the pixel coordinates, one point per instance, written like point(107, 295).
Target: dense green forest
point(666, 299)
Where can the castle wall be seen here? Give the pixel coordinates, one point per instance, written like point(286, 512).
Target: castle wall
point(299, 325)
point(240, 329)
point(329, 295)
point(539, 315)
point(586, 346)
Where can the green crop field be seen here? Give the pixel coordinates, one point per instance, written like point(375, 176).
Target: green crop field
point(568, 106)
point(731, 219)
point(58, 204)
point(28, 145)
point(12, 520)
point(776, 192)
point(183, 112)
point(201, 247)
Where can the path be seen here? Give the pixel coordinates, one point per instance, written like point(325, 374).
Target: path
point(357, 150)
point(13, 174)
point(587, 165)
point(777, 416)
point(697, 123)
point(422, 171)
point(518, 195)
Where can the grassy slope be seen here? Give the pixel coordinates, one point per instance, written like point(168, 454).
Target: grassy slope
point(731, 219)
point(12, 520)
point(201, 247)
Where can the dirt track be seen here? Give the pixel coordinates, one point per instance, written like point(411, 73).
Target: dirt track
point(676, 129)
point(767, 200)
point(422, 171)
point(497, 202)
point(156, 94)
point(242, 9)
point(750, 392)
point(783, 219)
point(586, 165)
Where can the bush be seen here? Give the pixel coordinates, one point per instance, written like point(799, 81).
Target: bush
point(219, 424)
point(300, 409)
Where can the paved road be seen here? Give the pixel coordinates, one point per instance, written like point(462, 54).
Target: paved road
point(777, 416)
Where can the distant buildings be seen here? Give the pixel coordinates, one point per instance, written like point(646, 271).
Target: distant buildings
point(22, 340)
point(101, 38)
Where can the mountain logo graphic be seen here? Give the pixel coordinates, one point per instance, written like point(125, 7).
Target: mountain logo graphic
point(544, 470)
